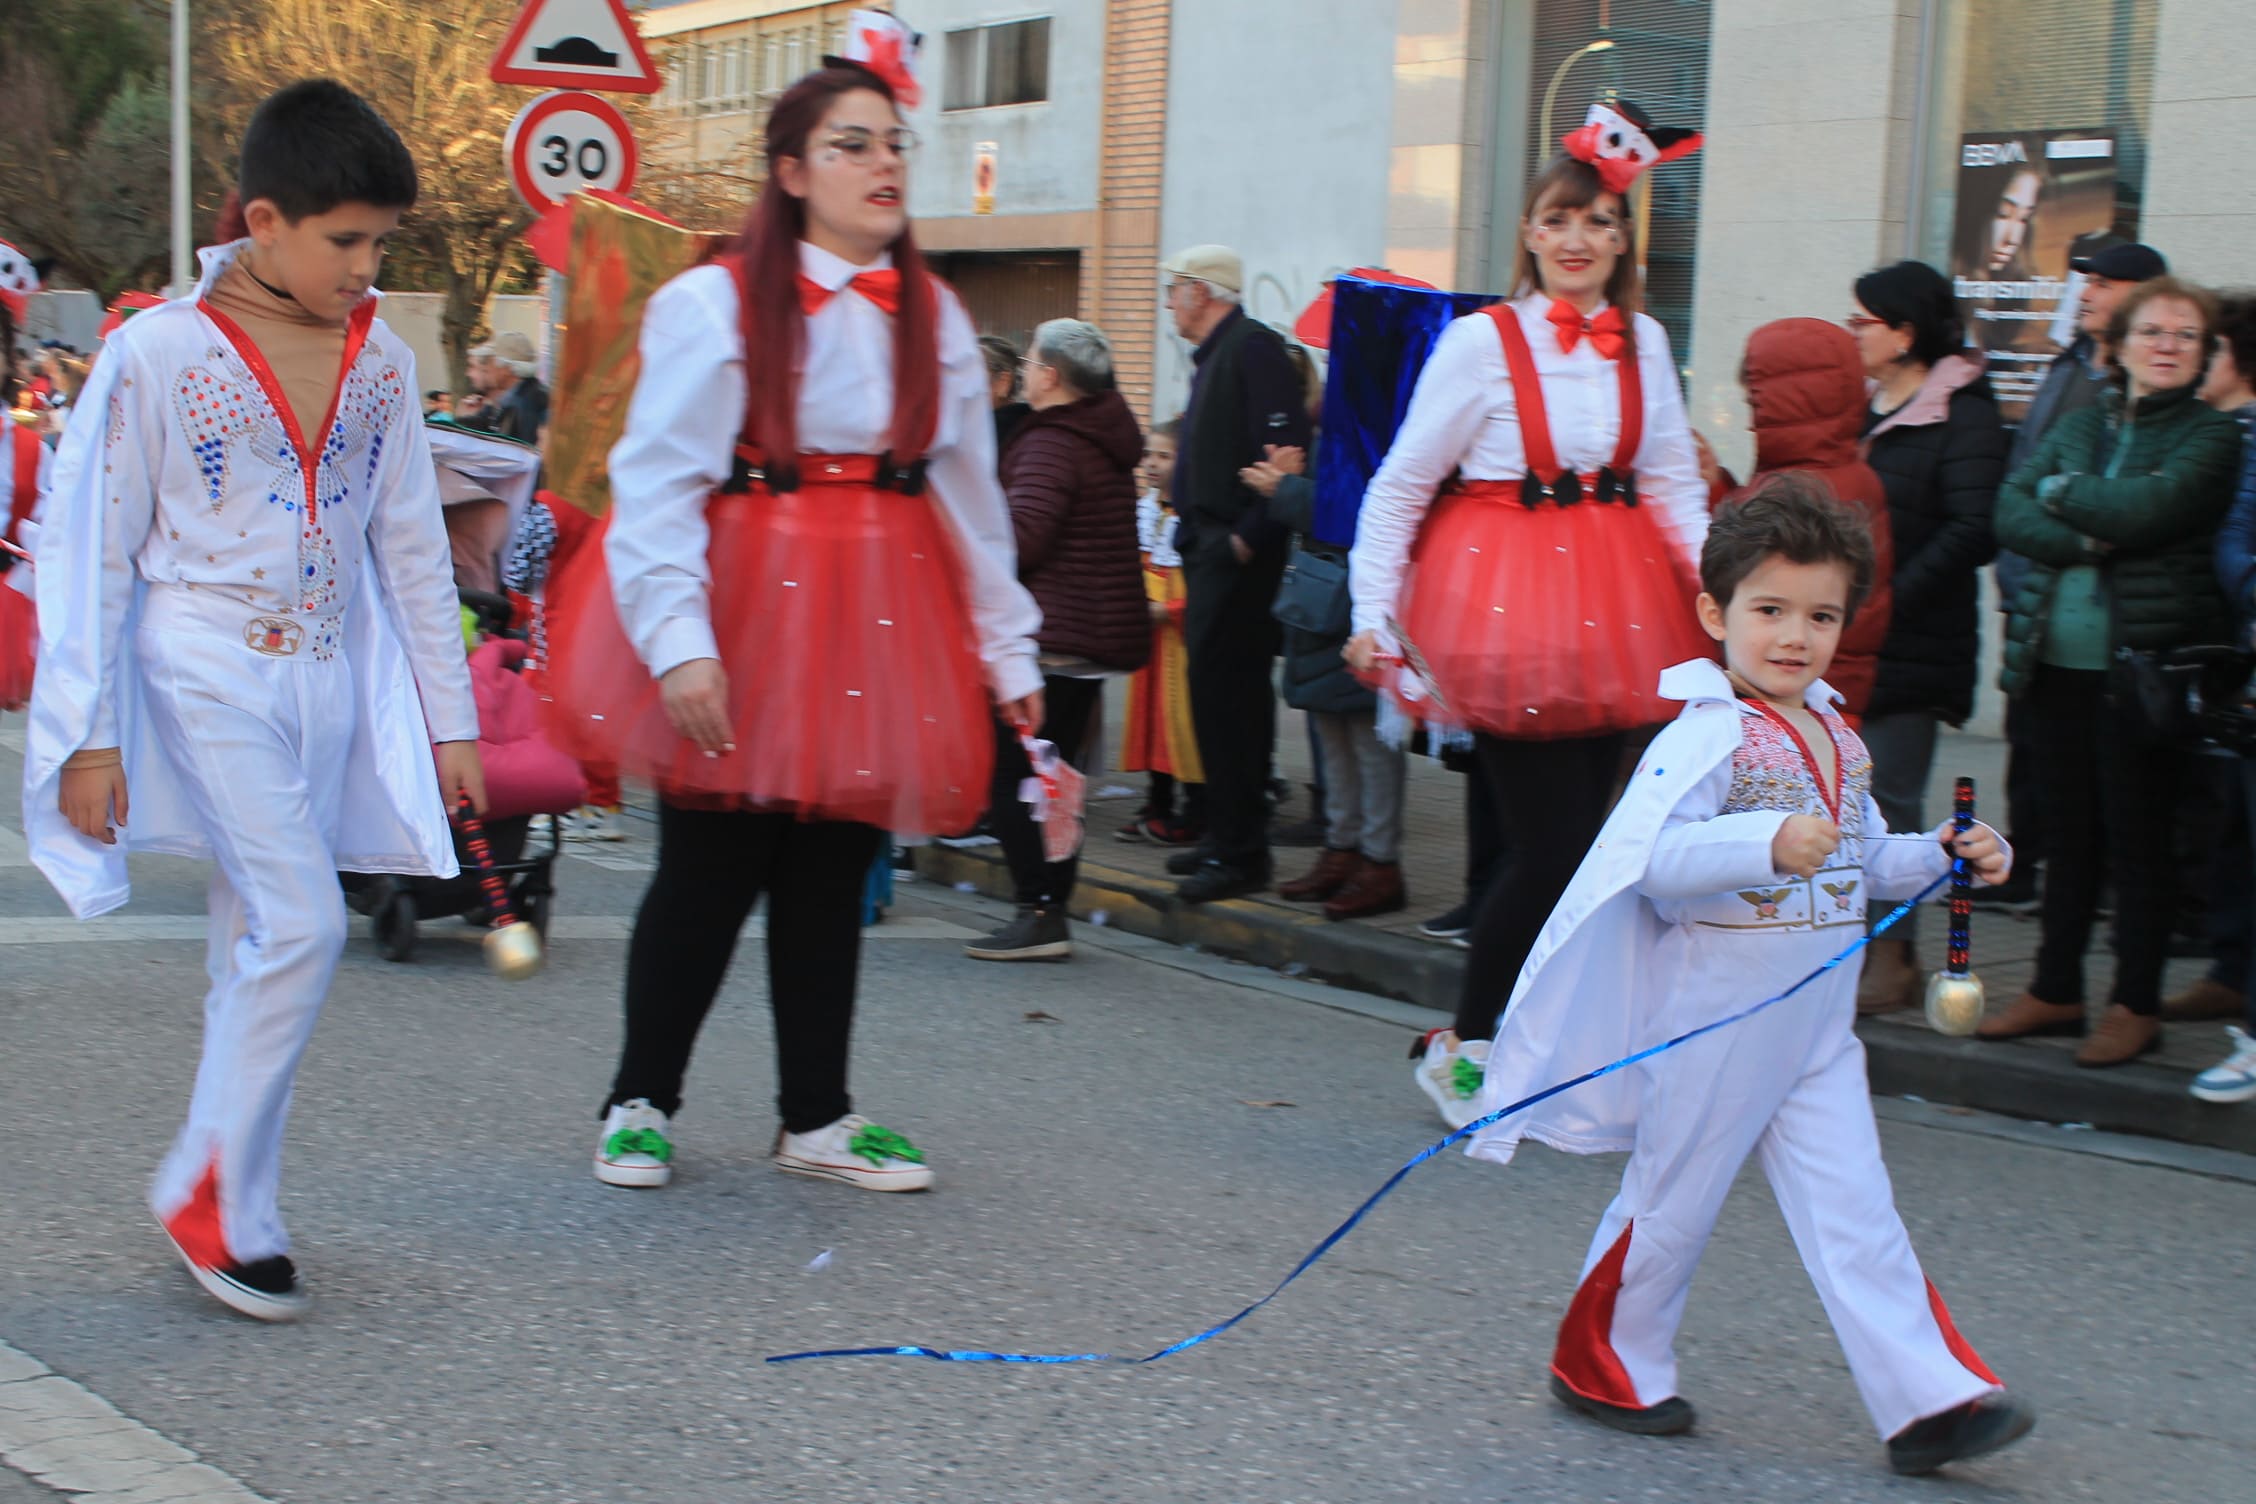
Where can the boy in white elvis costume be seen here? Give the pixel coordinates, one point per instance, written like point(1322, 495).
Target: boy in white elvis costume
point(1742, 857)
point(249, 644)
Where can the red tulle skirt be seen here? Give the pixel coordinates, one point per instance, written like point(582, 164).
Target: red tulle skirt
point(19, 643)
point(1546, 622)
point(854, 681)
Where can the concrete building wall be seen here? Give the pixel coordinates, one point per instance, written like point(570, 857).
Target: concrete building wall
point(2201, 182)
point(1810, 139)
point(1279, 135)
point(1046, 153)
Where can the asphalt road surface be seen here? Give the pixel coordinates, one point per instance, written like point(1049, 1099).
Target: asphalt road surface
point(1129, 1146)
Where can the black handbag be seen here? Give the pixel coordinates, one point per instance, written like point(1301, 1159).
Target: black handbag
point(2175, 697)
point(1313, 596)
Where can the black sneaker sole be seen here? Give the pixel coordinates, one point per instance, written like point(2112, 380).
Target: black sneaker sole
point(241, 1298)
point(1671, 1417)
point(1053, 950)
point(1988, 1431)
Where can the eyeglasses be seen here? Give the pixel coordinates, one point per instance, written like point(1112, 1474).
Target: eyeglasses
point(858, 144)
point(2155, 334)
point(1032, 364)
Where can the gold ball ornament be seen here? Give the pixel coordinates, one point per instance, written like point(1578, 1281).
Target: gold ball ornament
point(1954, 1003)
point(514, 951)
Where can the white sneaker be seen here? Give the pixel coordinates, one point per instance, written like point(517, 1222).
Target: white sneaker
point(637, 1147)
point(594, 823)
point(857, 1151)
point(1450, 1073)
point(2232, 1079)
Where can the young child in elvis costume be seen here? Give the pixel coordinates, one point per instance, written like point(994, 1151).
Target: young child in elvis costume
point(1744, 854)
point(1527, 550)
point(812, 607)
point(249, 641)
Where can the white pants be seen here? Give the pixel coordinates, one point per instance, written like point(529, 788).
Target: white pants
point(260, 743)
point(1789, 1086)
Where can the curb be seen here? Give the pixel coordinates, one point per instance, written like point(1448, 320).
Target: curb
point(1905, 1060)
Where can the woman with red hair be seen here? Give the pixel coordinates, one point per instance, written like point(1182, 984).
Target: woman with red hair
point(811, 613)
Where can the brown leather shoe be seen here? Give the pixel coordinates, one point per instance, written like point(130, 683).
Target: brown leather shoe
point(2122, 1036)
point(2204, 1001)
point(2029, 1015)
point(1891, 978)
point(1328, 876)
point(1376, 888)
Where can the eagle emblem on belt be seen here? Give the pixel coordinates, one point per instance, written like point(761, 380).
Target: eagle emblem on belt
point(274, 636)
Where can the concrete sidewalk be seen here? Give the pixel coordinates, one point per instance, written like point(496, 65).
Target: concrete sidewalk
point(1127, 886)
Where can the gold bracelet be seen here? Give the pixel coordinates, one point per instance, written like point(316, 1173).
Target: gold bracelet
point(89, 758)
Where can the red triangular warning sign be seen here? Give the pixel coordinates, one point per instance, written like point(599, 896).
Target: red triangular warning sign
point(576, 44)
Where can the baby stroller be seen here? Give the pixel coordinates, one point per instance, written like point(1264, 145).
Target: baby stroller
point(525, 776)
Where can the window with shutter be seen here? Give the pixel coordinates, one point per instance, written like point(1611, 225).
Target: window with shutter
point(1659, 62)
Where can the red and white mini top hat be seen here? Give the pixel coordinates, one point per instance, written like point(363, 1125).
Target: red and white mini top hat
point(20, 277)
point(883, 44)
point(1621, 141)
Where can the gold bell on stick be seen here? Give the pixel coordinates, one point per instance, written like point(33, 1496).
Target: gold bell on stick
point(1954, 1003)
point(1954, 994)
point(514, 951)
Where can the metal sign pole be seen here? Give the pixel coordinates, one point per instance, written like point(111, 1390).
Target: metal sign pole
point(183, 248)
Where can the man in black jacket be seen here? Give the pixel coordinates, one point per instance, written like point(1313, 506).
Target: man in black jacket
point(1245, 396)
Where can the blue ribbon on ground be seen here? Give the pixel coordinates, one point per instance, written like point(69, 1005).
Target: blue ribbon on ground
point(964, 1355)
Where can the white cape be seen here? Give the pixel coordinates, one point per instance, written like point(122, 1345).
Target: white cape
point(393, 820)
point(1589, 993)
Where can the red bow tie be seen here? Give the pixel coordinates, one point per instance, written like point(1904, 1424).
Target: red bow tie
point(1608, 332)
point(882, 287)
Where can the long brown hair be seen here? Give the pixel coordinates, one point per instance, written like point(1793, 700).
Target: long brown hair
point(769, 282)
point(1568, 183)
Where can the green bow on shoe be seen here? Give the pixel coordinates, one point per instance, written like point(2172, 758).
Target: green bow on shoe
point(638, 1141)
point(877, 1145)
point(1466, 1076)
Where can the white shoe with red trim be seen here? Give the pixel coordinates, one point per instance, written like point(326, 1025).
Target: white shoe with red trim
point(858, 1152)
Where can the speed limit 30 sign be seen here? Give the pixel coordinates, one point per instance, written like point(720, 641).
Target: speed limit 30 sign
point(566, 141)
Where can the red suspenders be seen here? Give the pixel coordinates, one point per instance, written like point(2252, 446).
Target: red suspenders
point(1546, 480)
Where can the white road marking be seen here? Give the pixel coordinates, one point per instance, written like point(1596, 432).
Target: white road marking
point(74, 1441)
point(132, 929)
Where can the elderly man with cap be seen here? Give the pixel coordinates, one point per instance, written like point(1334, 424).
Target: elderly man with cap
point(1245, 398)
point(2110, 267)
point(512, 402)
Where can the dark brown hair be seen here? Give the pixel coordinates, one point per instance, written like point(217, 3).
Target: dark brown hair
point(769, 246)
point(1572, 184)
point(1791, 515)
point(2236, 329)
point(2203, 300)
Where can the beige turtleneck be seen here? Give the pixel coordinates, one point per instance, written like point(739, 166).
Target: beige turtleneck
point(306, 355)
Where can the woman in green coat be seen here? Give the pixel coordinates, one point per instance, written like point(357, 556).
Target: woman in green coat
point(2118, 511)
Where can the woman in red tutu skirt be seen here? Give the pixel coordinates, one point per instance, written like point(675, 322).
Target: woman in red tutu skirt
point(1527, 556)
point(808, 613)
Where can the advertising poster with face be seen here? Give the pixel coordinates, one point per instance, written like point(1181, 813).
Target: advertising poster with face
point(2024, 200)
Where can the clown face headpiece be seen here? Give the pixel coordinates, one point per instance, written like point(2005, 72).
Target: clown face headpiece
point(20, 277)
point(1621, 141)
point(884, 45)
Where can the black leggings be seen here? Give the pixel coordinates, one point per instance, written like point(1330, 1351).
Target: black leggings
point(1550, 799)
point(2110, 803)
point(1069, 707)
point(712, 867)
